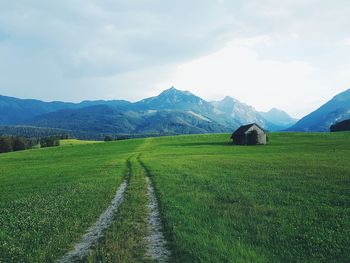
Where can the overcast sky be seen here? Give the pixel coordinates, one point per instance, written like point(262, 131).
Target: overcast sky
point(290, 54)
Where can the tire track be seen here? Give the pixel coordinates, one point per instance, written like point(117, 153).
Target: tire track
point(90, 238)
point(157, 244)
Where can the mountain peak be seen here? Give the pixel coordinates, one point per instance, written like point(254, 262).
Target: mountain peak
point(172, 90)
point(173, 99)
point(279, 117)
point(229, 99)
point(275, 110)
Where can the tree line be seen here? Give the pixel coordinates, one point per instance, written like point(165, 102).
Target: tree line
point(32, 132)
point(16, 143)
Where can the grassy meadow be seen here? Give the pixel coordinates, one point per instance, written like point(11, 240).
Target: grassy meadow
point(288, 201)
point(70, 142)
point(50, 196)
point(127, 234)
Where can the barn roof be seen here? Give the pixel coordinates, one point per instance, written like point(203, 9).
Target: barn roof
point(241, 130)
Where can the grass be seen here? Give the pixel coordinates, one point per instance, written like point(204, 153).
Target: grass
point(70, 142)
point(50, 196)
point(287, 201)
point(125, 240)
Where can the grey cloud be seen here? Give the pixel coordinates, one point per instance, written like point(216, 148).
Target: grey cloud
point(51, 49)
point(107, 37)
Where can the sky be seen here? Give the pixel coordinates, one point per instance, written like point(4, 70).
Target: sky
point(291, 54)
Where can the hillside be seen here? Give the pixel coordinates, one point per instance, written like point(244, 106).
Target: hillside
point(171, 112)
point(14, 111)
point(335, 110)
point(17, 111)
point(107, 120)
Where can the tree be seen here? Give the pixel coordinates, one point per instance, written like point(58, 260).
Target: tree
point(64, 137)
point(49, 141)
point(5, 144)
point(108, 138)
point(122, 137)
point(32, 143)
point(18, 144)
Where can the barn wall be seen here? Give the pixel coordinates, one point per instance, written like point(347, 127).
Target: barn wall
point(261, 135)
point(239, 140)
point(243, 139)
point(262, 138)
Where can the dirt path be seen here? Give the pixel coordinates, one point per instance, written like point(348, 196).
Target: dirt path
point(157, 245)
point(152, 242)
point(157, 249)
point(95, 232)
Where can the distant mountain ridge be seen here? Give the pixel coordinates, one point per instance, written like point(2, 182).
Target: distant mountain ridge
point(15, 111)
point(241, 113)
point(171, 112)
point(279, 118)
point(335, 110)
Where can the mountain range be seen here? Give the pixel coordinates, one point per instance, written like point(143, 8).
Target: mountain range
point(171, 112)
point(279, 118)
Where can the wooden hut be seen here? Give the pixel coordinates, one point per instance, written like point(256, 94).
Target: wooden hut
point(251, 134)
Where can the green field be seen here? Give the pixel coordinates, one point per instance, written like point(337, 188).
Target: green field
point(70, 142)
point(288, 201)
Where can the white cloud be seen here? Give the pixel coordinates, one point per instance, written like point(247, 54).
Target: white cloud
point(346, 41)
point(238, 71)
point(264, 40)
point(87, 49)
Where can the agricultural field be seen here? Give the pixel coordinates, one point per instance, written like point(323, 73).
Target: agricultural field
point(288, 201)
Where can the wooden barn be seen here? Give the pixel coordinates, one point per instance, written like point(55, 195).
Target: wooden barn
point(251, 134)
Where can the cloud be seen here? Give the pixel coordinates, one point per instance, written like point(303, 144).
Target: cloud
point(346, 41)
point(84, 49)
point(239, 71)
point(105, 37)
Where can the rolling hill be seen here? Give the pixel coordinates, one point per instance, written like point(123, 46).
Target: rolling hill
point(335, 110)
